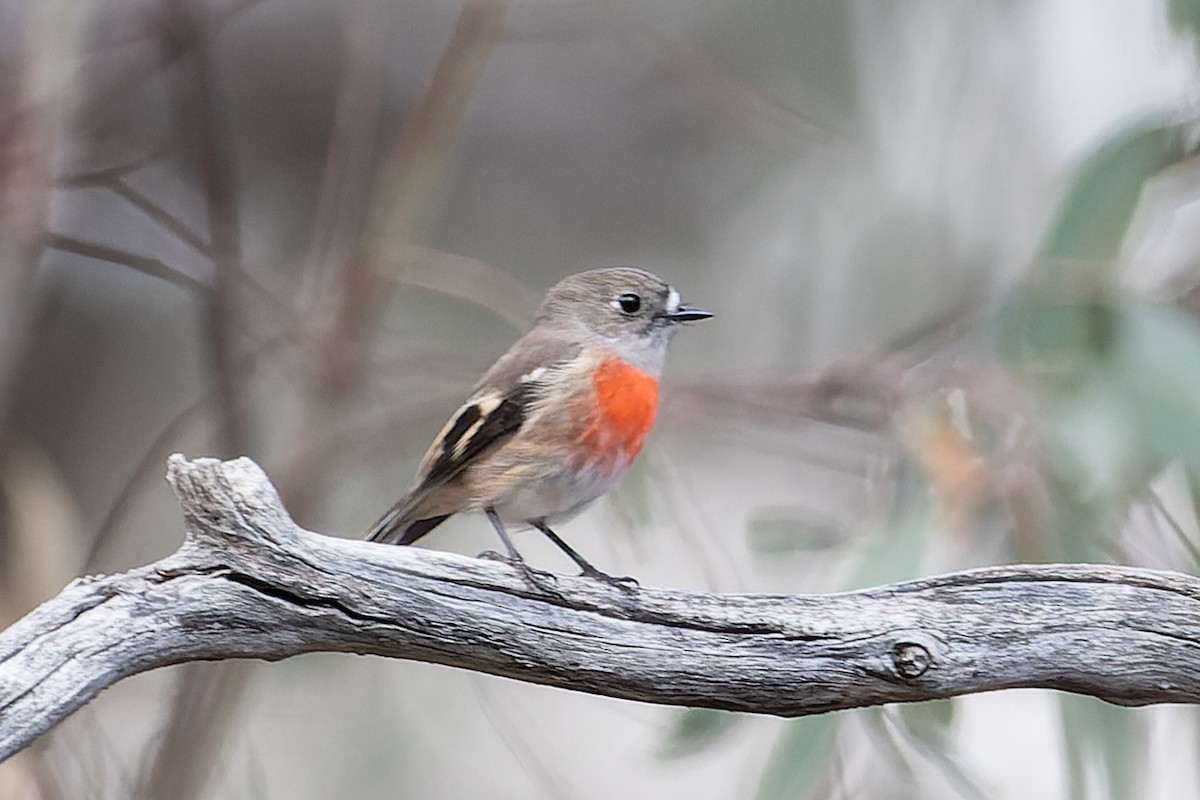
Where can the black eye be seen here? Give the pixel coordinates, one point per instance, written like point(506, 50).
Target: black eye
point(629, 303)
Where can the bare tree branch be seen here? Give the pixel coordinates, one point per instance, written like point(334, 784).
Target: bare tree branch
point(401, 197)
point(113, 180)
point(207, 693)
point(248, 583)
point(115, 255)
point(195, 119)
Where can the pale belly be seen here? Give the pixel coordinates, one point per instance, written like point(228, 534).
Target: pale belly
point(557, 501)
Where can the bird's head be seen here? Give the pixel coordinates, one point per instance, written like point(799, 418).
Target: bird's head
point(632, 311)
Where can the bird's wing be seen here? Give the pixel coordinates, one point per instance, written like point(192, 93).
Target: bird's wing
point(493, 414)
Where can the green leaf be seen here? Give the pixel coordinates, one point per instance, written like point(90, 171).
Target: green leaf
point(1094, 436)
point(798, 761)
point(1096, 213)
point(1055, 327)
point(1121, 395)
point(1056, 343)
point(1083, 523)
point(1157, 362)
point(697, 729)
point(1184, 16)
point(929, 722)
point(777, 534)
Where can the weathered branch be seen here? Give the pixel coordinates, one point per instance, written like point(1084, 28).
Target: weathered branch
point(248, 583)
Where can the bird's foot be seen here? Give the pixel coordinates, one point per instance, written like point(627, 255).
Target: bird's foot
point(625, 583)
point(539, 579)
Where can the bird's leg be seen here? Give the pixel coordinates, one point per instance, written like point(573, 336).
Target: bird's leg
point(588, 571)
point(538, 579)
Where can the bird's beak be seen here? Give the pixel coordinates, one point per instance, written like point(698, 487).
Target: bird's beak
point(688, 314)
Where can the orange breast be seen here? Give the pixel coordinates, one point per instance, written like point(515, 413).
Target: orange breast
point(626, 399)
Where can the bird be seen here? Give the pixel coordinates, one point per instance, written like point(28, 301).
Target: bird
point(556, 421)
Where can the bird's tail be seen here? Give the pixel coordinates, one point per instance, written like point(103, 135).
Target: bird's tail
point(395, 528)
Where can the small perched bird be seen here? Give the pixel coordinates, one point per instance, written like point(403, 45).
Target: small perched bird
point(557, 419)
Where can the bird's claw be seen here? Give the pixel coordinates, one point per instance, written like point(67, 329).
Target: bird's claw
point(625, 583)
point(539, 579)
point(545, 582)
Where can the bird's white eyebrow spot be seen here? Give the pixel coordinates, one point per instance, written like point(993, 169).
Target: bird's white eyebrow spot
point(672, 300)
point(533, 375)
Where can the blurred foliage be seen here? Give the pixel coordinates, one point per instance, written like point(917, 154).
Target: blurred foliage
point(1120, 385)
point(797, 766)
point(929, 722)
point(696, 729)
point(1094, 217)
point(1117, 383)
point(897, 551)
point(1101, 741)
point(772, 535)
point(1184, 16)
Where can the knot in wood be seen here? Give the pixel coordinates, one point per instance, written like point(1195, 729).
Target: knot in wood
point(910, 659)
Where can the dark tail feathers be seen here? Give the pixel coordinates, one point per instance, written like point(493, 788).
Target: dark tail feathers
point(389, 529)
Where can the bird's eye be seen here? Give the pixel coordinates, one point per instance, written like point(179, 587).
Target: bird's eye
point(629, 303)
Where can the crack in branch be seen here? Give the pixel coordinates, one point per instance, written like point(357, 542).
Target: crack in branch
point(291, 598)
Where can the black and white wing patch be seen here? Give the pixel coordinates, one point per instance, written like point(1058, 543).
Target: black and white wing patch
point(487, 420)
point(480, 424)
point(483, 422)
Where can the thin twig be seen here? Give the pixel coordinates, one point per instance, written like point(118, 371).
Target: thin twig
point(115, 255)
point(117, 185)
point(409, 173)
point(105, 175)
point(136, 51)
point(340, 212)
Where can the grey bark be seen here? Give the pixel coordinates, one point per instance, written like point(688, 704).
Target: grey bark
point(249, 583)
